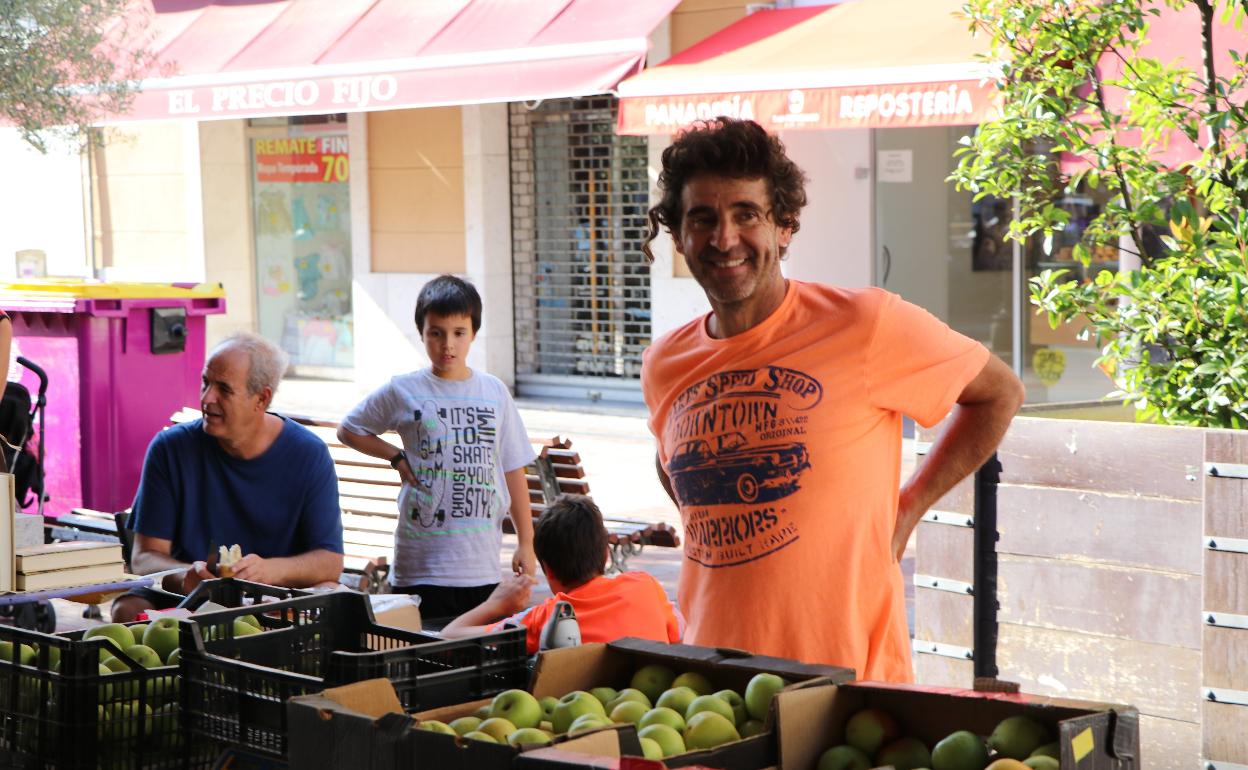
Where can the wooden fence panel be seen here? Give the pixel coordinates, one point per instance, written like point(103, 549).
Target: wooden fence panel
point(1156, 533)
point(1108, 457)
point(1100, 599)
point(1160, 680)
point(944, 550)
point(942, 671)
point(1225, 600)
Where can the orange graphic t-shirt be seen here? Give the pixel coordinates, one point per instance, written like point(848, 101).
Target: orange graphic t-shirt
point(783, 446)
point(607, 608)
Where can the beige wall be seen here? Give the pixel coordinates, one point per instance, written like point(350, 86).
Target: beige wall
point(140, 203)
point(229, 257)
point(695, 20)
point(416, 190)
point(692, 22)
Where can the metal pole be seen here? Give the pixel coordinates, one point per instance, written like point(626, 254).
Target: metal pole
point(985, 580)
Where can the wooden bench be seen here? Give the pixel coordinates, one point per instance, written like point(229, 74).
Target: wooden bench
point(368, 488)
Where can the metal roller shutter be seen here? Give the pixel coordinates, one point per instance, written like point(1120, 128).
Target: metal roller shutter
point(582, 286)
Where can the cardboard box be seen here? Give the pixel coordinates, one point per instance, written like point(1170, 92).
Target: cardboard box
point(1092, 736)
point(335, 727)
point(363, 726)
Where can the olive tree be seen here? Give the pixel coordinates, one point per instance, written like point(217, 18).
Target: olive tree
point(63, 63)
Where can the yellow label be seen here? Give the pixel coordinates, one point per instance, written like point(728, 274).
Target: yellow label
point(1082, 744)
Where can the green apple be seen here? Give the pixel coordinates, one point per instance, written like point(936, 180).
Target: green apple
point(734, 699)
point(870, 729)
point(663, 716)
point(653, 680)
point(751, 727)
point(677, 699)
point(120, 635)
point(962, 750)
point(843, 758)
point(904, 754)
point(26, 655)
point(1017, 736)
point(604, 694)
point(708, 729)
point(122, 718)
point(710, 703)
point(434, 726)
point(1042, 762)
point(54, 657)
point(529, 736)
point(477, 735)
point(143, 655)
point(669, 740)
point(162, 636)
point(175, 657)
point(629, 693)
point(628, 711)
point(546, 727)
point(465, 725)
point(548, 706)
point(254, 621)
point(573, 705)
point(243, 628)
point(518, 707)
point(1049, 750)
point(497, 728)
point(136, 632)
point(165, 726)
point(483, 712)
point(588, 722)
point(694, 681)
point(650, 749)
point(161, 689)
point(759, 692)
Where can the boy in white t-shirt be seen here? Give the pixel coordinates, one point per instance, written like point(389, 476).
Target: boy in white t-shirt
point(462, 462)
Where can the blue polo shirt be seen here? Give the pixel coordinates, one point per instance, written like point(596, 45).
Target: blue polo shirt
point(282, 503)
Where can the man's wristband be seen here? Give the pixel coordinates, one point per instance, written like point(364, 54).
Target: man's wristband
point(398, 458)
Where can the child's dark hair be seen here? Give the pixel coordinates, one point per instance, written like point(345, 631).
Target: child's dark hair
point(570, 540)
point(448, 295)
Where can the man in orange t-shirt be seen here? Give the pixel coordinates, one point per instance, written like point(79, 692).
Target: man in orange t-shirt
point(778, 420)
point(571, 545)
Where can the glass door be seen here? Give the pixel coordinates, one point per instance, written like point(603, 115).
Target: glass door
point(301, 204)
point(934, 246)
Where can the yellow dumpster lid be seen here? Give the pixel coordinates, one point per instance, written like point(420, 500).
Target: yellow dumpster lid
point(77, 288)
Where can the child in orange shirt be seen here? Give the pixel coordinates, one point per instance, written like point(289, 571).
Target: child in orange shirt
point(571, 545)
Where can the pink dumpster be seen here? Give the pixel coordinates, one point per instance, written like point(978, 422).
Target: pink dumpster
point(121, 359)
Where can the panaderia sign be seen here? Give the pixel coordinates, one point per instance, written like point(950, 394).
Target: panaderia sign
point(878, 106)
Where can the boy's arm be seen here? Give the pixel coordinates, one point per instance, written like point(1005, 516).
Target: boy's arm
point(509, 597)
point(524, 560)
point(376, 446)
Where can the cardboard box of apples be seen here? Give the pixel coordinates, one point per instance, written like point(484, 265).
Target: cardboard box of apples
point(688, 706)
point(860, 726)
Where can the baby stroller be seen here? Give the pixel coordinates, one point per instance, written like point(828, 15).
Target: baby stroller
point(17, 420)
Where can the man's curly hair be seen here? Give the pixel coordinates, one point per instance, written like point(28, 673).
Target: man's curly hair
point(737, 149)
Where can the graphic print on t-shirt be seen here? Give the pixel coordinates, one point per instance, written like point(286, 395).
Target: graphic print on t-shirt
point(740, 450)
point(455, 466)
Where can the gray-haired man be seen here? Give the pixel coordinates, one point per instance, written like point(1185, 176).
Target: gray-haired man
point(238, 475)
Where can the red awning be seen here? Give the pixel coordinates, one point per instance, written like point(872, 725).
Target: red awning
point(248, 58)
point(867, 64)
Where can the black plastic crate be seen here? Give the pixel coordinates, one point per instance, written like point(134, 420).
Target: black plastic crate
point(73, 716)
point(236, 687)
point(58, 710)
